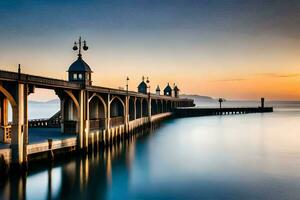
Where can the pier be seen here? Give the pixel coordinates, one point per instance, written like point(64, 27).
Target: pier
point(196, 112)
point(88, 114)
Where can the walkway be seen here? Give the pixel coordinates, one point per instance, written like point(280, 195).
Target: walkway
point(38, 135)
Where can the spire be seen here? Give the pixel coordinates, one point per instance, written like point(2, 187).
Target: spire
point(157, 88)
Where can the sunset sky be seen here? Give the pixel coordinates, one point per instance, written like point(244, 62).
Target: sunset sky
point(226, 48)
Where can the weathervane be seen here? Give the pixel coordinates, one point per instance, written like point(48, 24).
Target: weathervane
point(75, 48)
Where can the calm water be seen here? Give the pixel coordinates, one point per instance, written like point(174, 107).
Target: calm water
point(254, 156)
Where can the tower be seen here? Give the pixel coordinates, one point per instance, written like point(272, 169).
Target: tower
point(176, 91)
point(168, 90)
point(79, 71)
point(142, 88)
point(157, 90)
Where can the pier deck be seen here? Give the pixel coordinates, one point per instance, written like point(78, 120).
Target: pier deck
point(38, 135)
point(194, 111)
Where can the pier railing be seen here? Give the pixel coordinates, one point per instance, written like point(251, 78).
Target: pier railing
point(70, 126)
point(5, 134)
point(52, 122)
point(116, 121)
point(97, 124)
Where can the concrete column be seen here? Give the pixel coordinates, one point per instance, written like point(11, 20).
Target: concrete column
point(149, 107)
point(19, 126)
point(83, 129)
point(134, 104)
point(142, 107)
point(108, 112)
point(126, 120)
point(26, 139)
point(4, 112)
point(3, 118)
point(87, 119)
point(62, 112)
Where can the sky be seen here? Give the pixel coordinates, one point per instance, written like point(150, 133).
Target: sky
point(235, 49)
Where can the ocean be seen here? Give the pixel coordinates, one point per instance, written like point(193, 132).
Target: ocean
point(251, 156)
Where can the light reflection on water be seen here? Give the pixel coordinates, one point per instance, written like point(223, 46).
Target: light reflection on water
point(254, 156)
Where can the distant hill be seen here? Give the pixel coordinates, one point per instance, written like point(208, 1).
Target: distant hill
point(198, 97)
point(53, 101)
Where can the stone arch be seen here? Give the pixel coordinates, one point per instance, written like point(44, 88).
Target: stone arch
point(71, 113)
point(154, 109)
point(10, 98)
point(144, 107)
point(169, 106)
point(164, 105)
point(97, 112)
point(117, 107)
point(117, 111)
point(159, 106)
point(175, 104)
point(131, 108)
point(6, 129)
point(138, 108)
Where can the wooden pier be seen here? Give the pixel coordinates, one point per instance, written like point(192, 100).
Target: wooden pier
point(195, 112)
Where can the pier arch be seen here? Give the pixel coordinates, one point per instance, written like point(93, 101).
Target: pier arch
point(144, 107)
point(138, 108)
point(97, 112)
point(70, 113)
point(154, 107)
point(164, 106)
point(132, 109)
point(169, 106)
point(159, 106)
point(117, 111)
point(6, 101)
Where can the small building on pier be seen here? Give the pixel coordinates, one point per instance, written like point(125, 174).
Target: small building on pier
point(142, 87)
point(168, 90)
point(157, 90)
point(80, 72)
point(176, 91)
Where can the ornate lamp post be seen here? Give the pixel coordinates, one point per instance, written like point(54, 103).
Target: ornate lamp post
point(79, 43)
point(127, 80)
point(148, 86)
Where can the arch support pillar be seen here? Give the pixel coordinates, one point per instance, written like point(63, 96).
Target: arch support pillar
point(19, 136)
point(108, 112)
point(126, 120)
point(83, 120)
point(149, 107)
point(3, 119)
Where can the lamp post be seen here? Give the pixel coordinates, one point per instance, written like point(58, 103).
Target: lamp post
point(220, 102)
point(127, 80)
point(148, 86)
point(79, 43)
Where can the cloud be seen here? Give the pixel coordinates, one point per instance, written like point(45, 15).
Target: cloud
point(280, 75)
point(229, 80)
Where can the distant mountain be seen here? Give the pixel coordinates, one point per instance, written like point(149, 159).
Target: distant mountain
point(198, 97)
point(53, 101)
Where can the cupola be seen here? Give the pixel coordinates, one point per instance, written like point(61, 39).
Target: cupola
point(79, 71)
point(168, 90)
point(142, 88)
point(176, 91)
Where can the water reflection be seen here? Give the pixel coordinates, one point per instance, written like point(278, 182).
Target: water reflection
point(72, 177)
point(255, 156)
